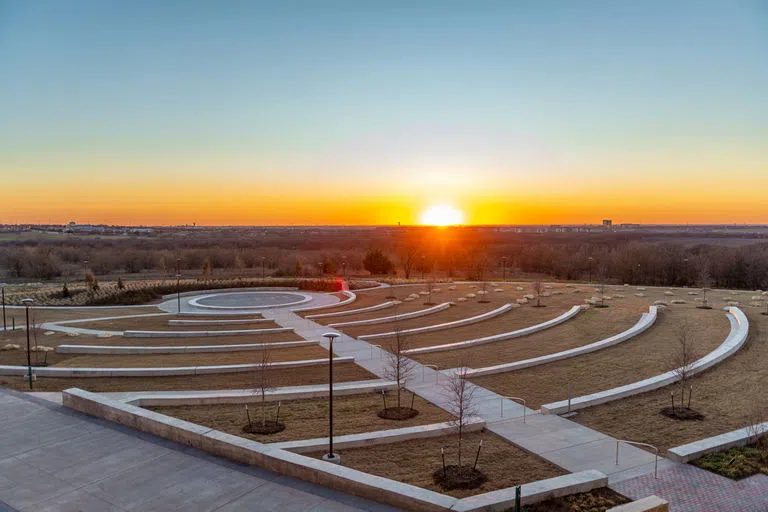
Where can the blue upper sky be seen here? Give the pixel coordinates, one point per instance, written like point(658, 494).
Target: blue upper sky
point(357, 87)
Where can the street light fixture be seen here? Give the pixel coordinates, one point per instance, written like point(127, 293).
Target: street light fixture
point(322, 269)
point(330, 456)
point(26, 303)
point(2, 286)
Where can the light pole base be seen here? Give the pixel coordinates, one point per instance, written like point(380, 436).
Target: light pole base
point(333, 458)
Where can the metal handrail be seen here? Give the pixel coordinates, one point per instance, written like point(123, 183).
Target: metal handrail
point(637, 443)
point(434, 367)
point(515, 399)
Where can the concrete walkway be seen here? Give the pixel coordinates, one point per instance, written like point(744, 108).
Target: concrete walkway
point(54, 459)
point(567, 444)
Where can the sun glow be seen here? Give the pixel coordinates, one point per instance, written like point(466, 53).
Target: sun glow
point(442, 215)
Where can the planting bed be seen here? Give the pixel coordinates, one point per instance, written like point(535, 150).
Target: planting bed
point(598, 500)
point(587, 327)
point(246, 380)
point(415, 461)
point(728, 395)
point(644, 356)
point(308, 419)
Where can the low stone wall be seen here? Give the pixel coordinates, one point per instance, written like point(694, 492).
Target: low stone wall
point(67, 372)
point(334, 476)
point(734, 341)
point(647, 504)
point(383, 305)
point(202, 334)
point(498, 337)
point(447, 325)
point(183, 349)
point(697, 449)
point(645, 322)
point(385, 319)
point(379, 437)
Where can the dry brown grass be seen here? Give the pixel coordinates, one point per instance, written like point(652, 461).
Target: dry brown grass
point(644, 356)
point(59, 314)
point(176, 342)
point(293, 377)
point(727, 395)
point(160, 323)
point(413, 462)
point(204, 359)
point(308, 419)
point(587, 327)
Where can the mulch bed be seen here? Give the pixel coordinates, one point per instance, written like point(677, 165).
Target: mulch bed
point(264, 427)
point(682, 414)
point(398, 413)
point(459, 477)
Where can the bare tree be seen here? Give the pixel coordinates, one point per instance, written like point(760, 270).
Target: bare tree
point(461, 404)
point(705, 281)
point(684, 358)
point(757, 427)
point(264, 380)
point(537, 289)
point(399, 367)
point(408, 255)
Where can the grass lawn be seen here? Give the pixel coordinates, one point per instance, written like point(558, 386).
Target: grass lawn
point(40, 315)
point(641, 357)
point(308, 419)
point(728, 395)
point(414, 462)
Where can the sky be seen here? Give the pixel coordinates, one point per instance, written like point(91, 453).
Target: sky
point(370, 112)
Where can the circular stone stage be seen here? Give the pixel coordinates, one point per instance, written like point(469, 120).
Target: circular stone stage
point(249, 300)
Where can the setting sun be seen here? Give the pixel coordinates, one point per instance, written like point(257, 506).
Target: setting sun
point(442, 215)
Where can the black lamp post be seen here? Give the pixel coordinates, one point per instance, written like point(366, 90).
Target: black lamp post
point(178, 284)
point(262, 267)
point(504, 268)
point(85, 270)
point(3, 290)
point(26, 303)
point(330, 456)
point(344, 266)
point(685, 271)
point(589, 261)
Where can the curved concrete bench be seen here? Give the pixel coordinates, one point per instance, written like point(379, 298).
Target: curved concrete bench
point(732, 439)
point(246, 396)
point(202, 334)
point(238, 321)
point(379, 437)
point(66, 372)
point(185, 349)
point(351, 295)
point(392, 318)
point(447, 325)
point(734, 341)
point(646, 321)
point(383, 305)
point(498, 337)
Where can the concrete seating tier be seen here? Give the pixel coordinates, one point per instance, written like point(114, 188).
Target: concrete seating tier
point(383, 305)
point(392, 318)
point(67, 372)
point(498, 337)
point(237, 321)
point(447, 325)
point(351, 297)
point(245, 396)
point(199, 334)
point(734, 341)
point(645, 322)
point(184, 349)
point(379, 437)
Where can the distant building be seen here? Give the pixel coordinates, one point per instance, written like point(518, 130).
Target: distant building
point(607, 224)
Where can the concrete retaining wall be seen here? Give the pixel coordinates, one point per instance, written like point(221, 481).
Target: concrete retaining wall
point(200, 334)
point(697, 449)
point(392, 318)
point(334, 476)
point(247, 396)
point(66, 372)
point(734, 341)
point(645, 322)
point(228, 290)
point(383, 305)
point(395, 435)
point(184, 349)
point(351, 295)
point(498, 337)
point(447, 325)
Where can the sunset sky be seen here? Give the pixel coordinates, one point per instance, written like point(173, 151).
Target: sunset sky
point(370, 112)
